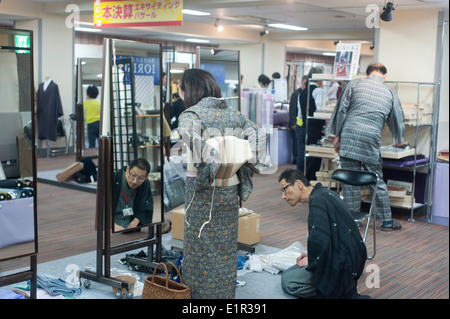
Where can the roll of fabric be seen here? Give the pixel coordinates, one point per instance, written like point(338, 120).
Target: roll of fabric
point(56, 286)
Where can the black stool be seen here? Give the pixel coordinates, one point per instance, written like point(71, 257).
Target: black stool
point(360, 178)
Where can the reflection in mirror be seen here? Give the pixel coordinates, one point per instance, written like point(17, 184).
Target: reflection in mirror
point(224, 65)
point(89, 80)
point(137, 152)
point(174, 75)
point(17, 169)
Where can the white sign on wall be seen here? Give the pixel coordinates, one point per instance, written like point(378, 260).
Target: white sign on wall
point(346, 63)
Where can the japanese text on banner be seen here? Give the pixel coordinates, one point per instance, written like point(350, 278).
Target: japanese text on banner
point(135, 13)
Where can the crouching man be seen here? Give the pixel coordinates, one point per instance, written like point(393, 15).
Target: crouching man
point(336, 253)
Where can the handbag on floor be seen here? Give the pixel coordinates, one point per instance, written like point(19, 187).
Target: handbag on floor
point(157, 287)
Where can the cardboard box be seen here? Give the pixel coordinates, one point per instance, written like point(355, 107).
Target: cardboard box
point(178, 224)
point(249, 229)
point(248, 226)
point(69, 172)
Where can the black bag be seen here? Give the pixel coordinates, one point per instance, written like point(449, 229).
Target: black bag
point(60, 128)
point(89, 169)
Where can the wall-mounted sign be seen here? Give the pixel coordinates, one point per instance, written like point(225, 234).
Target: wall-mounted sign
point(22, 41)
point(143, 66)
point(346, 63)
point(135, 13)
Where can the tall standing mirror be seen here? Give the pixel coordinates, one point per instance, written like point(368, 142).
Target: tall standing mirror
point(224, 65)
point(136, 118)
point(174, 105)
point(88, 88)
point(18, 216)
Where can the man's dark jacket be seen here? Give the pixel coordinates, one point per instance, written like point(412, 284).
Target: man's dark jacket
point(336, 252)
point(143, 201)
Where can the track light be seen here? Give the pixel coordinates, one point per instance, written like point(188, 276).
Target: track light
point(387, 13)
point(218, 26)
point(264, 32)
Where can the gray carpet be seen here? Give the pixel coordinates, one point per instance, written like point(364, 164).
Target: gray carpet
point(258, 285)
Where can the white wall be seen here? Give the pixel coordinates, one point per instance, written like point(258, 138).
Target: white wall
point(88, 51)
point(251, 62)
point(407, 46)
point(274, 58)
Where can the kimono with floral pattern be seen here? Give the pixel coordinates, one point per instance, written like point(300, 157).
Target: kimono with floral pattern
point(210, 231)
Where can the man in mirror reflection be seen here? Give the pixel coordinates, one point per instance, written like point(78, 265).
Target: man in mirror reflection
point(175, 110)
point(133, 201)
point(92, 114)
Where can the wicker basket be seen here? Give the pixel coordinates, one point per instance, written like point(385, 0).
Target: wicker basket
point(157, 287)
point(130, 279)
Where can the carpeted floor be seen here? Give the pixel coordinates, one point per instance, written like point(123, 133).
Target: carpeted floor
point(255, 285)
point(412, 263)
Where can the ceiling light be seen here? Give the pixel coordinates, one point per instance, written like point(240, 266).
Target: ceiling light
point(81, 29)
point(197, 40)
point(287, 27)
point(387, 12)
point(329, 53)
point(218, 26)
point(195, 12)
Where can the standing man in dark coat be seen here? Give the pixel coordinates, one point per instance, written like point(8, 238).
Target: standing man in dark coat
point(49, 109)
point(294, 106)
point(175, 110)
point(313, 94)
point(336, 252)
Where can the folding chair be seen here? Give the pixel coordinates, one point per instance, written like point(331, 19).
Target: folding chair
point(360, 178)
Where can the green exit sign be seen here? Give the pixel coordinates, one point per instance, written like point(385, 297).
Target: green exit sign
point(22, 41)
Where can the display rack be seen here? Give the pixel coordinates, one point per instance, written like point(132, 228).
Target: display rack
point(124, 125)
point(414, 122)
point(424, 126)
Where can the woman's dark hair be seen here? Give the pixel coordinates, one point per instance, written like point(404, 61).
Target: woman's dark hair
point(290, 175)
point(264, 79)
point(197, 84)
point(92, 91)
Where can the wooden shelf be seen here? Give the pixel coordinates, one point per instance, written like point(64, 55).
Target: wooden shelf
point(148, 115)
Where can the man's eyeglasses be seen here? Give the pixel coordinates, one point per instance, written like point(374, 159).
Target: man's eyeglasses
point(283, 190)
point(140, 179)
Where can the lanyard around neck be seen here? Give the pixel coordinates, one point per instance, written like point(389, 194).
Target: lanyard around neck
point(127, 198)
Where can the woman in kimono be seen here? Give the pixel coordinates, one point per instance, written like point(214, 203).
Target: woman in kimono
point(212, 203)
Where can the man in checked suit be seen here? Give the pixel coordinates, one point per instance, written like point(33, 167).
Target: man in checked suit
point(365, 106)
